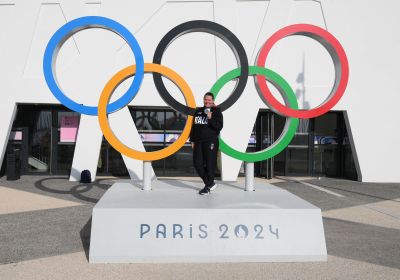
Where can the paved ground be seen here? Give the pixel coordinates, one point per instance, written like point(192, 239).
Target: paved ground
point(45, 232)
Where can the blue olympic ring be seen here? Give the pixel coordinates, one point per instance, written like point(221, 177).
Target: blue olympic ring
point(74, 26)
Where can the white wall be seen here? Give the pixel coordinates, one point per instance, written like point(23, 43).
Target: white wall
point(368, 31)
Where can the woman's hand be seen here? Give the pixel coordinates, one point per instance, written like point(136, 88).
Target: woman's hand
point(192, 145)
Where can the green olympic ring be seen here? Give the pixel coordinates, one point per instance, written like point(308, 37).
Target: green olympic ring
point(290, 126)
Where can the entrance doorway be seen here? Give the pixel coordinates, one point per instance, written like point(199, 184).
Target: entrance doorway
point(45, 136)
point(320, 147)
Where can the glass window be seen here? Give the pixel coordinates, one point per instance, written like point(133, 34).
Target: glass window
point(40, 142)
point(175, 121)
point(301, 138)
point(67, 131)
point(158, 165)
point(65, 155)
point(68, 123)
point(326, 140)
point(279, 160)
point(150, 120)
point(116, 165)
point(325, 160)
point(152, 137)
point(326, 129)
point(349, 166)
point(15, 136)
point(180, 163)
point(297, 161)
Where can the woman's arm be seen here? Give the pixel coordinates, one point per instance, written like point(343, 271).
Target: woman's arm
point(217, 120)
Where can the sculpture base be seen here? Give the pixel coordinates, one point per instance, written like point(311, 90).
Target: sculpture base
point(172, 223)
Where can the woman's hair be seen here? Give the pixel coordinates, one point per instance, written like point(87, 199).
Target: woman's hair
point(209, 94)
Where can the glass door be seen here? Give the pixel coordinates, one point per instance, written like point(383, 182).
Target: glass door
point(265, 136)
point(320, 147)
point(279, 161)
point(294, 160)
point(65, 134)
point(298, 151)
point(326, 146)
point(39, 139)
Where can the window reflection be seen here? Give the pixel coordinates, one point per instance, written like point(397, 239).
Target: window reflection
point(149, 120)
point(46, 137)
point(175, 121)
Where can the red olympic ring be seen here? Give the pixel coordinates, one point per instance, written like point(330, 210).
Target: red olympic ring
point(338, 56)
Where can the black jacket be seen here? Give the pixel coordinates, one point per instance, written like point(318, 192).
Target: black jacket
point(205, 129)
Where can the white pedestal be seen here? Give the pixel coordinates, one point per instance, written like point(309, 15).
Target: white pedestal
point(249, 180)
point(172, 223)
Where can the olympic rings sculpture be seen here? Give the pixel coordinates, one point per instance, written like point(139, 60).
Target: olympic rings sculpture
point(261, 75)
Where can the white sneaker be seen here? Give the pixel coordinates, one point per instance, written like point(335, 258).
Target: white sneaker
point(213, 187)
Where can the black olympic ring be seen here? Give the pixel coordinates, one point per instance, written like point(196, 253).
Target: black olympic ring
point(217, 30)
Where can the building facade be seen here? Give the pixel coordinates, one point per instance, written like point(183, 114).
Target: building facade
point(357, 139)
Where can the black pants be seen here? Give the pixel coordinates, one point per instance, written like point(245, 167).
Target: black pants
point(205, 160)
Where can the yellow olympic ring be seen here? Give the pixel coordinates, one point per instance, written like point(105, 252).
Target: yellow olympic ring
point(106, 94)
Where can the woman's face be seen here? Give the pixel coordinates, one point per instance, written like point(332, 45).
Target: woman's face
point(208, 101)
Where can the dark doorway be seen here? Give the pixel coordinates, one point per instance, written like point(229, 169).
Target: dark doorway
point(45, 135)
point(320, 147)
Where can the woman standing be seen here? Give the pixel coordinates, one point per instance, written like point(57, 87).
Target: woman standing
point(207, 124)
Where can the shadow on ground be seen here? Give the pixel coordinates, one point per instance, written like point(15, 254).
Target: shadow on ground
point(362, 242)
point(85, 237)
point(60, 187)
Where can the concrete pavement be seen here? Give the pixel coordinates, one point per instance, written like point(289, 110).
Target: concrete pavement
point(48, 236)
